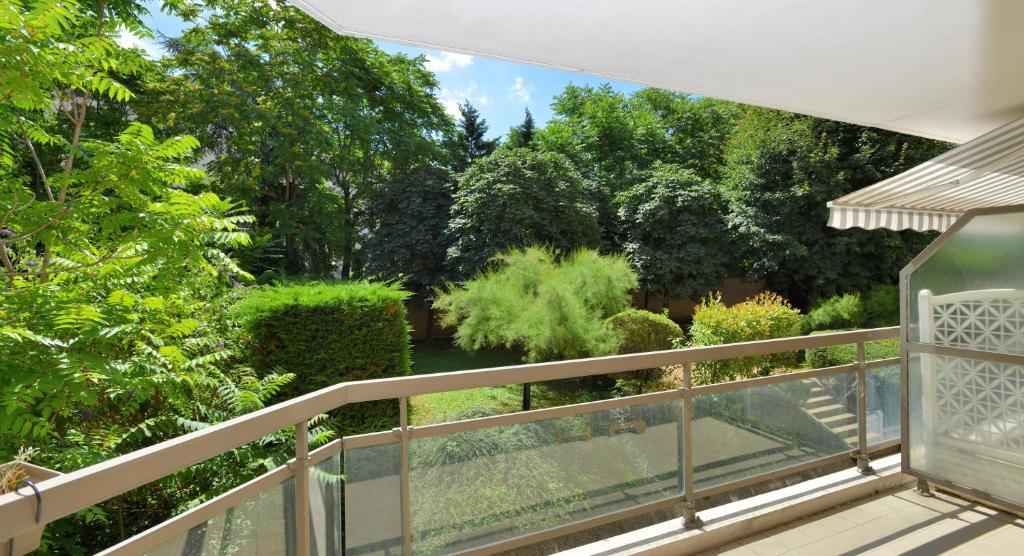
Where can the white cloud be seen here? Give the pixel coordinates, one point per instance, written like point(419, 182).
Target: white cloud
point(451, 98)
point(447, 61)
point(520, 90)
point(127, 39)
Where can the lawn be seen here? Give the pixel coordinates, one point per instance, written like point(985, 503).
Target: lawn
point(440, 357)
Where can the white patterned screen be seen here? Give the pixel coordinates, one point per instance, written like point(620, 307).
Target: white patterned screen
point(971, 411)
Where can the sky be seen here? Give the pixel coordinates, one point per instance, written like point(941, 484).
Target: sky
point(500, 90)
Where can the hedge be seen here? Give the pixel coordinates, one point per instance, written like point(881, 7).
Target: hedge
point(328, 333)
point(831, 356)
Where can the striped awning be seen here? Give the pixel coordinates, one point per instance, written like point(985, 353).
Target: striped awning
point(985, 172)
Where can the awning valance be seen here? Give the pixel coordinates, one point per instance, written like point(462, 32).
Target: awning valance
point(985, 172)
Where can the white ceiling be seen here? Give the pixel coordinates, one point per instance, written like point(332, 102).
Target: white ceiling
point(946, 69)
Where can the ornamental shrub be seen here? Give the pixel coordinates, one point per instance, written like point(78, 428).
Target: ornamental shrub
point(326, 333)
point(841, 311)
point(763, 317)
point(831, 356)
point(550, 308)
point(643, 331)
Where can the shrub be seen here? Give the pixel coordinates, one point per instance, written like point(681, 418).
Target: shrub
point(831, 356)
point(841, 311)
point(326, 333)
point(643, 331)
point(763, 317)
point(552, 309)
point(882, 305)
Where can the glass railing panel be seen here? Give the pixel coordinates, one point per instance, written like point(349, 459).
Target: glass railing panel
point(472, 488)
point(261, 525)
point(883, 411)
point(373, 500)
point(325, 507)
point(967, 422)
point(765, 428)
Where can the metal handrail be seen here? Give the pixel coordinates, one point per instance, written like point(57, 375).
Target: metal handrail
point(77, 490)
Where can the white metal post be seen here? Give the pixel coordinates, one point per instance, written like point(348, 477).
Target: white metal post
point(863, 462)
point(403, 412)
point(301, 471)
point(690, 518)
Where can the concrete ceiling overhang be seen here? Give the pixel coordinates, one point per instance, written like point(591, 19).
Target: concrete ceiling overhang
point(945, 69)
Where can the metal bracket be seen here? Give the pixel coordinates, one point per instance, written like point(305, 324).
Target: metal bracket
point(690, 518)
point(864, 465)
point(923, 488)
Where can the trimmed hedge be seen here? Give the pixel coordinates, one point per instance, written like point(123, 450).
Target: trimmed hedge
point(328, 333)
point(831, 356)
point(642, 331)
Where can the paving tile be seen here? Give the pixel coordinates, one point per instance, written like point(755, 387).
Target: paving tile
point(759, 546)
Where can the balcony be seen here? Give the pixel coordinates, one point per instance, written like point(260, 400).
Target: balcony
point(546, 479)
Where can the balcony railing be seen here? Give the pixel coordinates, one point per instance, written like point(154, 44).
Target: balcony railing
point(494, 483)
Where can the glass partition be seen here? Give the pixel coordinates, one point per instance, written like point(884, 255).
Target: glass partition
point(262, 525)
point(373, 500)
point(883, 411)
point(760, 429)
point(966, 411)
point(476, 487)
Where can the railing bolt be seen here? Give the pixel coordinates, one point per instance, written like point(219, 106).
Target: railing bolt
point(864, 465)
point(690, 518)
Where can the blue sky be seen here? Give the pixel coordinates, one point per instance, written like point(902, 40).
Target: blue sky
point(500, 90)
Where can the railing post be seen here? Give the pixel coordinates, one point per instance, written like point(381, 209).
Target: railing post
point(403, 412)
point(301, 471)
point(690, 518)
point(863, 462)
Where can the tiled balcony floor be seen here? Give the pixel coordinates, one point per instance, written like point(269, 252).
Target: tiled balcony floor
point(897, 522)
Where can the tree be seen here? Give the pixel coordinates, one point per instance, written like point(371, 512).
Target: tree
point(674, 233)
point(521, 136)
point(109, 254)
point(517, 198)
point(782, 170)
point(472, 142)
point(300, 123)
point(613, 139)
point(408, 218)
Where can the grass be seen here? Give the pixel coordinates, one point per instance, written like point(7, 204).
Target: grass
point(440, 357)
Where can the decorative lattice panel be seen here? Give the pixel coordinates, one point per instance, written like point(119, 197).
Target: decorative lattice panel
point(995, 325)
point(980, 402)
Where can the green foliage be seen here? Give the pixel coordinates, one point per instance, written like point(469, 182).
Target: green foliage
point(674, 233)
point(841, 311)
point(764, 317)
point(643, 331)
point(330, 333)
point(471, 142)
point(522, 135)
point(299, 122)
point(408, 218)
point(550, 309)
point(882, 305)
point(831, 356)
point(782, 170)
point(518, 198)
point(879, 306)
point(614, 139)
